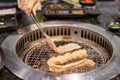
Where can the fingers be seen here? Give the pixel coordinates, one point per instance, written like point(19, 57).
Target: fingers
point(28, 6)
point(20, 4)
point(36, 6)
point(18, 1)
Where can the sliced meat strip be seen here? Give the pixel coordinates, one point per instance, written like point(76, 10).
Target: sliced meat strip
point(61, 59)
point(56, 64)
point(67, 47)
point(59, 68)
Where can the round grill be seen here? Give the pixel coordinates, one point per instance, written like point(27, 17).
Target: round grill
point(37, 57)
point(101, 45)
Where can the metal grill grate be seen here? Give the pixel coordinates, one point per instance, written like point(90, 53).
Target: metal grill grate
point(37, 57)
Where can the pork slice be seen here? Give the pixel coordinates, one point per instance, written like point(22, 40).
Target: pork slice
point(80, 63)
point(62, 59)
point(58, 63)
point(67, 47)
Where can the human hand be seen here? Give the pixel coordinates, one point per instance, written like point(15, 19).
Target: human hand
point(28, 6)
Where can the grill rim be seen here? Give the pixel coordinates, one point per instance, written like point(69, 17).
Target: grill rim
point(19, 68)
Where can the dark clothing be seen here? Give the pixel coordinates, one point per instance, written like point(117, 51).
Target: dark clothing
point(8, 0)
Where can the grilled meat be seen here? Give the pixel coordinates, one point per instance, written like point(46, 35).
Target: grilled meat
point(80, 63)
point(61, 59)
point(58, 64)
point(67, 47)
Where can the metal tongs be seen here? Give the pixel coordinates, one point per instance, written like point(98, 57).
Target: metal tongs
point(49, 41)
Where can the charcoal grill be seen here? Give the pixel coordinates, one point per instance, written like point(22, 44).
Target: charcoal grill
point(28, 54)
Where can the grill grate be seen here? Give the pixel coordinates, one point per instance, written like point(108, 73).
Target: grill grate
point(37, 57)
point(33, 52)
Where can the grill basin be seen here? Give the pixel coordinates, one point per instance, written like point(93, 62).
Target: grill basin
point(37, 58)
point(101, 46)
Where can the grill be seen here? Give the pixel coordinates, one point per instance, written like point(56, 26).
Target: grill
point(32, 52)
point(37, 57)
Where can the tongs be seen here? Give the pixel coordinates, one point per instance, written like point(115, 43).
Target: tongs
point(49, 41)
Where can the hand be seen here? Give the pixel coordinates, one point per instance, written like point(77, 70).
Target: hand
point(28, 6)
